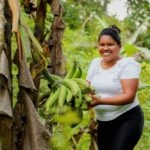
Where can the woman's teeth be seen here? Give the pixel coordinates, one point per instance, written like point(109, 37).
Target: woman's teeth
point(106, 53)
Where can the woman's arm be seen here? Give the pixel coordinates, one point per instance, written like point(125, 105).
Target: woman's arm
point(129, 87)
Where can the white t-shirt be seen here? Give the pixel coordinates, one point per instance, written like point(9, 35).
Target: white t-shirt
point(107, 83)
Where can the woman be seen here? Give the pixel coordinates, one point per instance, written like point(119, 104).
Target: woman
point(115, 79)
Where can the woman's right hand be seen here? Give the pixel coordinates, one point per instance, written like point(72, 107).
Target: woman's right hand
point(95, 100)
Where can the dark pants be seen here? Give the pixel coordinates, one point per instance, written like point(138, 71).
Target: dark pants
point(121, 133)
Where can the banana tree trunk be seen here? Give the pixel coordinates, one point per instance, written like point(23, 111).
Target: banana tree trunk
point(6, 136)
point(55, 39)
point(39, 34)
point(53, 45)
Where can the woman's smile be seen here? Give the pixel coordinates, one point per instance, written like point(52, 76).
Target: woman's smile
point(106, 53)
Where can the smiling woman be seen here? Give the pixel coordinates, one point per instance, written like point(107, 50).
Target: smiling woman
point(115, 80)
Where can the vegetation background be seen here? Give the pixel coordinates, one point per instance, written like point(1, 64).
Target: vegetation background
point(85, 18)
point(83, 21)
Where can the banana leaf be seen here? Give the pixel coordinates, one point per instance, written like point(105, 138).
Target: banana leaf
point(15, 8)
point(101, 21)
point(30, 34)
point(130, 49)
point(133, 38)
point(25, 43)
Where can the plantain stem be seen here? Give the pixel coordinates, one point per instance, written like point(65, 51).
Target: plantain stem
point(48, 76)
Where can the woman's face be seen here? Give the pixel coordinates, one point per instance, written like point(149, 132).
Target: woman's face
point(108, 48)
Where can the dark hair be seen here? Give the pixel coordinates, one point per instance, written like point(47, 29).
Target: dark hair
point(112, 31)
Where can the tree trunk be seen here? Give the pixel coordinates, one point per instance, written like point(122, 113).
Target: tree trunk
point(55, 39)
point(39, 34)
point(6, 135)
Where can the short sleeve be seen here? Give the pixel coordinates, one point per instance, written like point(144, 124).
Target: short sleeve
point(130, 70)
point(91, 70)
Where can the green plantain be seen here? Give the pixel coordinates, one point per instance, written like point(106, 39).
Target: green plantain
point(72, 85)
point(62, 95)
point(53, 98)
point(78, 72)
point(69, 96)
point(71, 71)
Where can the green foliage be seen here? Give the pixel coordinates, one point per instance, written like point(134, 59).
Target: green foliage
point(15, 87)
point(130, 49)
point(144, 39)
point(145, 68)
point(84, 142)
point(78, 11)
point(64, 135)
point(144, 97)
point(61, 137)
point(80, 47)
point(138, 10)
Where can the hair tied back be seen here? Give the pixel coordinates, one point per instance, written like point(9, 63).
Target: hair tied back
point(114, 27)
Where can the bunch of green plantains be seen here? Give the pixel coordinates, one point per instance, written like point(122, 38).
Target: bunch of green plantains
point(69, 96)
point(71, 90)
